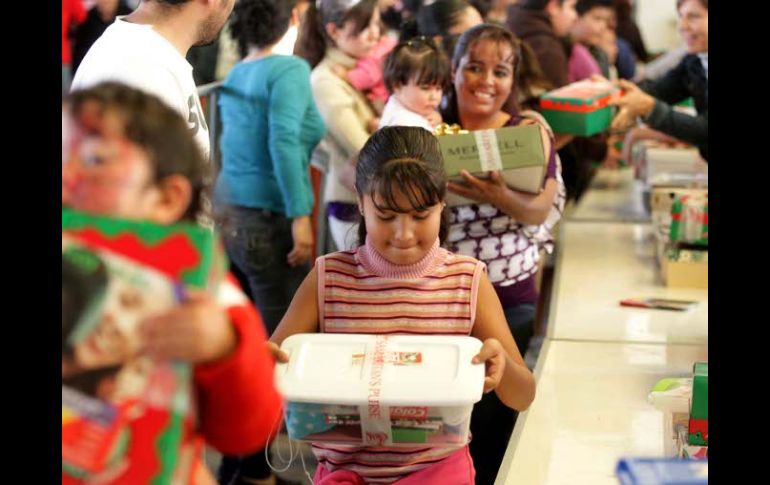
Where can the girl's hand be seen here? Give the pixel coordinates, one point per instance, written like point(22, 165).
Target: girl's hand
point(279, 355)
point(491, 190)
point(196, 331)
point(302, 235)
point(492, 355)
point(434, 118)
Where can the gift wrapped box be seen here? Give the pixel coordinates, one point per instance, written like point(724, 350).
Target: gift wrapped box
point(687, 451)
point(516, 151)
point(184, 252)
point(581, 108)
point(690, 219)
point(698, 428)
point(127, 418)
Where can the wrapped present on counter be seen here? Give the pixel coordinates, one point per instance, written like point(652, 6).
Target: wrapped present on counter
point(664, 165)
point(688, 451)
point(690, 219)
point(658, 471)
point(685, 267)
point(661, 201)
point(580, 108)
point(379, 390)
point(516, 151)
point(662, 198)
point(698, 428)
point(127, 418)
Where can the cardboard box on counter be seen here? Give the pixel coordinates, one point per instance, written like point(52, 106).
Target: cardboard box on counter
point(685, 267)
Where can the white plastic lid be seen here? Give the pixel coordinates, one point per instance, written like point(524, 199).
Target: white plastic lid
point(396, 370)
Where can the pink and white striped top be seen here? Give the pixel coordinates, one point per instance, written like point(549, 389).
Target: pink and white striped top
point(361, 292)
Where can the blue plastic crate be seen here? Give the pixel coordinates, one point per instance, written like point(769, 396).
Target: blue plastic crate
point(662, 471)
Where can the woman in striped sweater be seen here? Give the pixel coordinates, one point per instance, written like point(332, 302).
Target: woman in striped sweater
point(401, 281)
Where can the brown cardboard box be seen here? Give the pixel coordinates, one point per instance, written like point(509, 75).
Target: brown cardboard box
point(687, 268)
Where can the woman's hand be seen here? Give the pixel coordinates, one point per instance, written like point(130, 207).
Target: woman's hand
point(492, 355)
point(491, 190)
point(302, 235)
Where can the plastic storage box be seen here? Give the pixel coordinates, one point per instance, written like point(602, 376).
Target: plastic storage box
point(657, 471)
point(377, 390)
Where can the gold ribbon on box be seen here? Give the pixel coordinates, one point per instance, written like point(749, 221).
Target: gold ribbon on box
point(447, 129)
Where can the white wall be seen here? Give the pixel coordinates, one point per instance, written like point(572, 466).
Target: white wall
point(657, 19)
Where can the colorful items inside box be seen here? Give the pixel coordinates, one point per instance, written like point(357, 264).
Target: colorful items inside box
point(408, 424)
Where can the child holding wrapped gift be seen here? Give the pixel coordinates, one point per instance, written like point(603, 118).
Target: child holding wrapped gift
point(129, 155)
point(415, 73)
point(399, 280)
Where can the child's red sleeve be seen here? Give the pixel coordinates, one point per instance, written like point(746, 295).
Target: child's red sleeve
point(238, 404)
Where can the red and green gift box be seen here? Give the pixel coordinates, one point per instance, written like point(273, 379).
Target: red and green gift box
point(186, 252)
point(698, 428)
point(690, 220)
point(581, 108)
point(136, 425)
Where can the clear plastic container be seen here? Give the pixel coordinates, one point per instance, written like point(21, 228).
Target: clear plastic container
point(375, 390)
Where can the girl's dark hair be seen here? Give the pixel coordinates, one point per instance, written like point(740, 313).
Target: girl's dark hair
point(155, 127)
point(260, 22)
point(418, 59)
point(704, 3)
point(440, 16)
point(313, 39)
point(406, 160)
point(465, 43)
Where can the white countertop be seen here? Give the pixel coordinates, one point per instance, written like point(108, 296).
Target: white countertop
point(591, 409)
point(614, 196)
point(600, 264)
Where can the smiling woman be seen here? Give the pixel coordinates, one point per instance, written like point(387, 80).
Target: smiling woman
point(497, 228)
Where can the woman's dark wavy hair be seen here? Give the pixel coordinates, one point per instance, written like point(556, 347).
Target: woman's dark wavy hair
point(260, 23)
point(464, 45)
point(313, 39)
point(155, 127)
point(405, 160)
